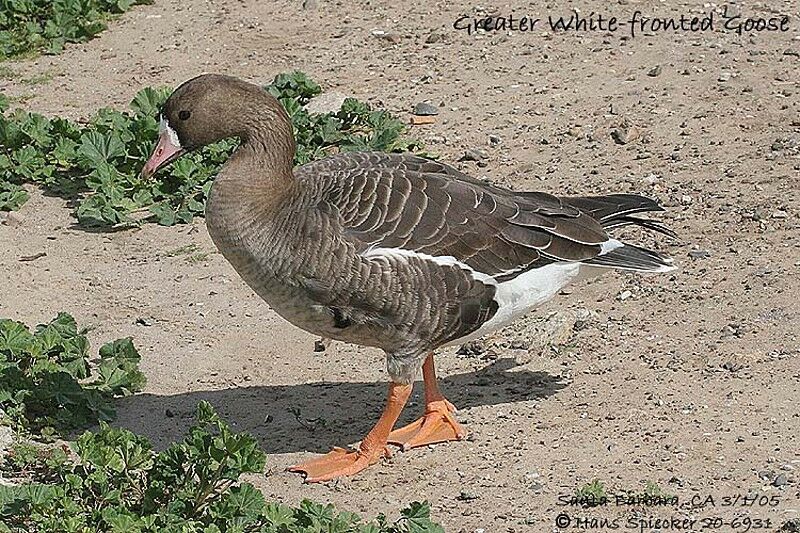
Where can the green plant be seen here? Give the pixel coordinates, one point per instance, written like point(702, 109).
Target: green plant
point(100, 161)
point(119, 484)
point(592, 494)
point(47, 382)
point(30, 26)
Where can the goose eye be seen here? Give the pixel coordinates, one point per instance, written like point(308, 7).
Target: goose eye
point(184, 115)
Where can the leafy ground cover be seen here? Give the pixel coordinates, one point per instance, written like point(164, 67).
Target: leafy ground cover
point(119, 484)
point(98, 164)
point(48, 383)
point(31, 26)
point(111, 480)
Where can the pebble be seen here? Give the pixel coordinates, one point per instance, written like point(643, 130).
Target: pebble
point(476, 347)
point(699, 254)
point(724, 76)
point(655, 71)
point(330, 102)
point(433, 38)
point(494, 139)
point(310, 4)
point(169, 413)
point(624, 295)
point(791, 526)
point(466, 496)
point(474, 155)
point(13, 219)
point(6, 438)
point(392, 38)
point(425, 109)
point(780, 480)
point(420, 120)
point(625, 134)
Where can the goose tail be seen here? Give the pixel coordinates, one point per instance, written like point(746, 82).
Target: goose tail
point(618, 210)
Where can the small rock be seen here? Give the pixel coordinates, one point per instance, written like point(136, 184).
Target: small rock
point(466, 496)
point(731, 366)
point(310, 4)
point(419, 121)
point(475, 347)
point(330, 102)
point(655, 71)
point(390, 37)
point(791, 526)
point(433, 38)
point(494, 139)
point(13, 219)
point(724, 76)
point(766, 475)
point(699, 254)
point(6, 439)
point(686, 199)
point(519, 344)
point(474, 155)
point(319, 345)
point(780, 480)
point(582, 318)
point(624, 134)
point(782, 143)
point(555, 330)
point(780, 214)
point(624, 295)
point(141, 321)
point(425, 109)
point(169, 413)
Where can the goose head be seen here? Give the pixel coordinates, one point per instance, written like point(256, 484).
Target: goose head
point(212, 107)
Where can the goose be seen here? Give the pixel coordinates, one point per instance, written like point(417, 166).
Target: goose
point(387, 250)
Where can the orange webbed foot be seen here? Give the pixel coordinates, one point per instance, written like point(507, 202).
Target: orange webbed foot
point(338, 463)
point(438, 425)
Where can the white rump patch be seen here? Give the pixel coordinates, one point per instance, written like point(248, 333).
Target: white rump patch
point(164, 127)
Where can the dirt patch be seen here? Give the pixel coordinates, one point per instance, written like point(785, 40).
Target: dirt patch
point(689, 380)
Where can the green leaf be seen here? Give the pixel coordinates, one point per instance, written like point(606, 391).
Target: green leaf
point(15, 338)
point(149, 100)
point(97, 149)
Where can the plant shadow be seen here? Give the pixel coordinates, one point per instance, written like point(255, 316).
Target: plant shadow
point(317, 416)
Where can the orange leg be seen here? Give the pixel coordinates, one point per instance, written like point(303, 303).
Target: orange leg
point(341, 462)
point(437, 425)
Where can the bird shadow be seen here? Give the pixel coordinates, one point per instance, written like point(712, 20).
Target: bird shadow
point(318, 416)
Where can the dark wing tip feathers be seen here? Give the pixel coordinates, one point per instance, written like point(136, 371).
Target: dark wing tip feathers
point(632, 257)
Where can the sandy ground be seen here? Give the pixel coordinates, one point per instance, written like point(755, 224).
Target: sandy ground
point(689, 380)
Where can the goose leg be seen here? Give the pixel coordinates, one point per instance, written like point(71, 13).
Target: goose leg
point(340, 462)
point(437, 425)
